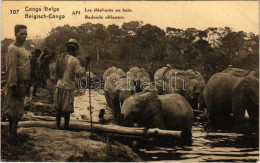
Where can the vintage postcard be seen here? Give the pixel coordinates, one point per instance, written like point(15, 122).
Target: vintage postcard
point(129, 81)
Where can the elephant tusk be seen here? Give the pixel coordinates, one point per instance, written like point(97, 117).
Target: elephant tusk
point(198, 106)
point(120, 104)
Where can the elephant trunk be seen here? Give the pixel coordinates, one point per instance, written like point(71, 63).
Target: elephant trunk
point(201, 104)
point(120, 120)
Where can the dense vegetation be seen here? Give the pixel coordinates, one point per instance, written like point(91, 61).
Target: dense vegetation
point(207, 51)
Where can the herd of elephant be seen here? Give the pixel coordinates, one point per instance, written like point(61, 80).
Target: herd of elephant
point(169, 100)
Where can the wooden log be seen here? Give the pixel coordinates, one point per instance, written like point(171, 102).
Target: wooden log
point(114, 129)
point(48, 118)
point(159, 132)
point(227, 158)
point(220, 153)
point(45, 118)
point(42, 104)
point(151, 132)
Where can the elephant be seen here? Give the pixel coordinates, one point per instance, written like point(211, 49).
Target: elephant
point(116, 89)
point(238, 72)
point(188, 83)
point(194, 93)
point(177, 112)
point(143, 108)
point(140, 77)
point(246, 97)
point(147, 109)
point(226, 94)
point(111, 70)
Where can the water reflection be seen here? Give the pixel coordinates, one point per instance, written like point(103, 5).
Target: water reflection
point(212, 146)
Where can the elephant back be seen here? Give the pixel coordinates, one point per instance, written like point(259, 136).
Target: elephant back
point(218, 93)
point(116, 81)
point(199, 77)
point(159, 74)
point(177, 112)
point(108, 72)
point(121, 72)
point(190, 75)
point(237, 72)
point(221, 81)
point(142, 74)
point(112, 70)
point(134, 69)
point(249, 86)
point(138, 73)
point(170, 73)
point(155, 86)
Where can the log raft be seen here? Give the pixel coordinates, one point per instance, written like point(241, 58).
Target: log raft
point(112, 129)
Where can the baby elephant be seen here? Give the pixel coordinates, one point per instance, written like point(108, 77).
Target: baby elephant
point(147, 109)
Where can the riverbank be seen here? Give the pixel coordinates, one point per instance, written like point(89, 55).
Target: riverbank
point(43, 144)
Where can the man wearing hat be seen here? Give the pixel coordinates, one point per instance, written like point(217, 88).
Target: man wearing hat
point(68, 67)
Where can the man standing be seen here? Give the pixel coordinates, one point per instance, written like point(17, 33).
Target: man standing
point(35, 77)
point(18, 80)
point(43, 67)
point(68, 67)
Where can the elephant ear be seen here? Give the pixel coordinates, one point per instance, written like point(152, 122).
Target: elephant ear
point(190, 90)
point(252, 94)
point(251, 84)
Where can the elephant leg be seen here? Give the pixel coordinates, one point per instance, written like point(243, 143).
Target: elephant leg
point(193, 103)
point(238, 108)
point(211, 122)
point(214, 119)
point(211, 117)
point(107, 98)
point(253, 112)
point(186, 138)
point(115, 109)
point(227, 123)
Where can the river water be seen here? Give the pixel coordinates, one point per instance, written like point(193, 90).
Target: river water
point(207, 146)
point(211, 146)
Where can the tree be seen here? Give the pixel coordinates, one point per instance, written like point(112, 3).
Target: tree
point(130, 41)
point(59, 36)
point(114, 32)
point(151, 40)
point(5, 44)
point(93, 37)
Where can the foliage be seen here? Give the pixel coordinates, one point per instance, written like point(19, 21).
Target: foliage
point(208, 51)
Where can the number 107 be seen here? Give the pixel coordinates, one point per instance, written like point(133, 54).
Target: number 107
point(14, 11)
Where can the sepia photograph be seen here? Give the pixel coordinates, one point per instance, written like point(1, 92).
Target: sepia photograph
point(129, 81)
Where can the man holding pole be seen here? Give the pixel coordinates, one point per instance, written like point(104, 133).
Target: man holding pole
point(68, 67)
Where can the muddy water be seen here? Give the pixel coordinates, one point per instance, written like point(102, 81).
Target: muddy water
point(214, 146)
